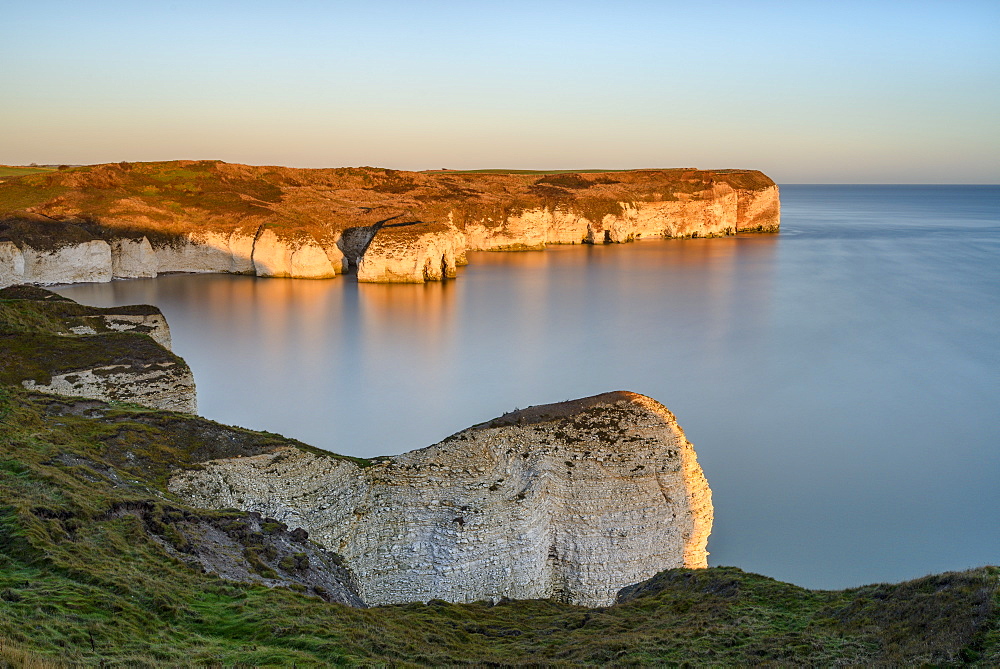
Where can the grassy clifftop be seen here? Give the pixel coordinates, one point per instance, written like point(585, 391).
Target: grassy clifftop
point(37, 337)
point(98, 563)
point(101, 565)
point(165, 199)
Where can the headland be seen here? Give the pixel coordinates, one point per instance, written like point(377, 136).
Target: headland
point(130, 220)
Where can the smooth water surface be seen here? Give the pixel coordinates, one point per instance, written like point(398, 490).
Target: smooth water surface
point(840, 380)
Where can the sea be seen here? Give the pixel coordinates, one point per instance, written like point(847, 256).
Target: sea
point(840, 380)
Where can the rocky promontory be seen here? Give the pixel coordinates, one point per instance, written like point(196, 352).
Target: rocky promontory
point(568, 501)
point(50, 344)
point(128, 220)
point(108, 555)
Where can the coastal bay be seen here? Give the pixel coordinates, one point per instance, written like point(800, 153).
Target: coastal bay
point(837, 378)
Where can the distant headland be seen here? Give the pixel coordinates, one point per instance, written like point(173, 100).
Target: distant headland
point(129, 220)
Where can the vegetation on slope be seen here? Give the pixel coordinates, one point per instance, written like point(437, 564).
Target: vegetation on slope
point(97, 564)
point(83, 581)
point(32, 309)
point(166, 199)
point(18, 170)
point(37, 340)
point(101, 564)
point(495, 170)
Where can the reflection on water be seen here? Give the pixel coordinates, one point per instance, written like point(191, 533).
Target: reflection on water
point(839, 380)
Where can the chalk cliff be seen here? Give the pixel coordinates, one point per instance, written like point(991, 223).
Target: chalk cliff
point(412, 253)
point(661, 205)
point(53, 345)
point(128, 220)
point(569, 501)
point(45, 251)
point(301, 258)
point(158, 385)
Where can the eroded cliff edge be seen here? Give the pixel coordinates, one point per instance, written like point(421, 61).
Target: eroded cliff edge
point(570, 501)
point(101, 563)
point(50, 344)
point(129, 220)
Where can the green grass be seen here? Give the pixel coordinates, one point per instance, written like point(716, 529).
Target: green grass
point(28, 191)
point(188, 186)
point(12, 171)
point(39, 356)
point(95, 569)
point(78, 585)
point(36, 341)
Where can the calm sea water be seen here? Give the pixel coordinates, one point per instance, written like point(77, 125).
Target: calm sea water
point(840, 380)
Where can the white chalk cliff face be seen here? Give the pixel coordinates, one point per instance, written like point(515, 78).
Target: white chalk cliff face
point(717, 211)
point(412, 253)
point(111, 354)
point(11, 264)
point(146, 320)
point(133, 259)
point(395, 227)
point(242, 251)
point(301, 258)
point(262, 252)
point(571, 501)
point(72, 263)
point(158, 385)
point(430, 252)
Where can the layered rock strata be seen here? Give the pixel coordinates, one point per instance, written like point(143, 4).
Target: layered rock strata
point(162, 384)
point(114, 354)
point(100, 222)
point(570, 501)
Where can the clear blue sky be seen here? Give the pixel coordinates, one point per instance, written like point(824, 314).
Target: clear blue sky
point(887, 92)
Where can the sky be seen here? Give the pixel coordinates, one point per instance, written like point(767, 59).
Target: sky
point(808, 92)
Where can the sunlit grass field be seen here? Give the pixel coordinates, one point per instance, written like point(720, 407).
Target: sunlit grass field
point(12, 171)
